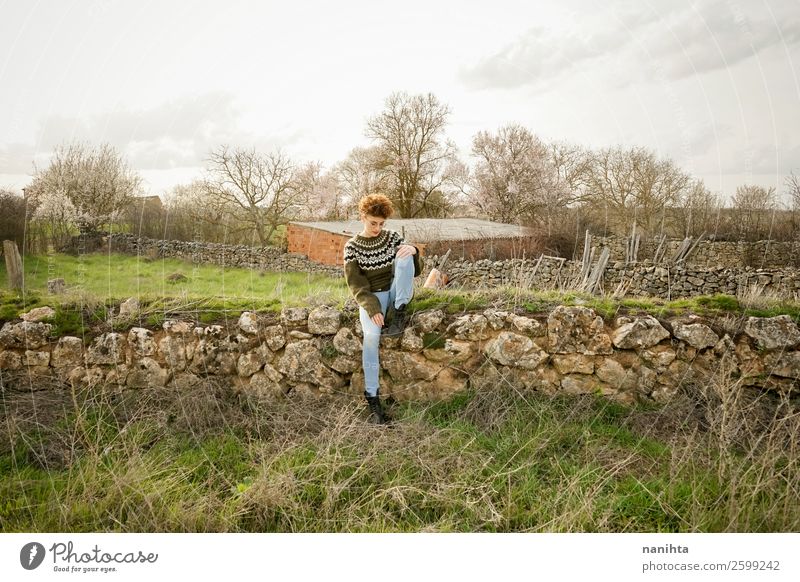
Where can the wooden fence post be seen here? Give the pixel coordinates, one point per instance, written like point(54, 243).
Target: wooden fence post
point(13, 264)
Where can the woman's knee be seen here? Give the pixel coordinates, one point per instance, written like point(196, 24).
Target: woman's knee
point(372, 339)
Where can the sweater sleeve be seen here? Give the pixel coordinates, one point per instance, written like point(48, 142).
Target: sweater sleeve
point(360, 288)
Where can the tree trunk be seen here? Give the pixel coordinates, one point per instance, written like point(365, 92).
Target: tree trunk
point(13, 264)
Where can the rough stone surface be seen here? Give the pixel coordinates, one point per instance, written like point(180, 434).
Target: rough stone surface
point(251, 362)
point(38, 314)
point(141, 342)
point(345, 364)
point(408, 367)
point(470, 327)
point(642, 332)
point(146, 373)
point(411, 342)
point(274, 337)
point(25, 334)
point(773, 333)
point(428, 321)
point(573, 364)
point(458, 351)
point(302, 362)
point(176, 327)
point(577, 330)
point(611, 372)
point(512, 349)
point(294, 316)
point(68, 352)
point(324, 320)
point(129, 308)
point(570, 358)
point(697, 335)
point(185, 381)
point(497, 319)
point(173, 348)
point(10, 360)
point(579, 384)
point(262, 386)
point(527, 325)
point(659, 356)
point(346, 342)
point(106, 349)
point(786, 365)
point(249, 323)
point(36, 359)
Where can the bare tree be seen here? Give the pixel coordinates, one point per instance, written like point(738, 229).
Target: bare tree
point(571, 162)
point(633, 185)
point(361, 173)
point(414, 156)
point(752, 207)
point(192, 213)
point(320, 193)
point(91, 186)
point(259, 186)
point(513, 174)
point(12, 216)
point(792, 183)
point(697, 211)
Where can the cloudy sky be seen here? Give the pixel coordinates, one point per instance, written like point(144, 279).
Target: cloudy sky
point(712, 84)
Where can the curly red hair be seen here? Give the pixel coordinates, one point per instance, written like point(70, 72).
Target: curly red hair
point(377, 205)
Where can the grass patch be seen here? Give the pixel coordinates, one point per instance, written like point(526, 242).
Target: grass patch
point(433, 341)
point(210, 459)
point(449, 300)
point(117, 277)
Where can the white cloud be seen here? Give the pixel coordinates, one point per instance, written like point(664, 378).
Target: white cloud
point(681, 40)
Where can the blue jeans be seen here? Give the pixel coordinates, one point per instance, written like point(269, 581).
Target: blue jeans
point(400, 294)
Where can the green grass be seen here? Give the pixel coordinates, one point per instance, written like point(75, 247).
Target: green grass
point(495, 460)
point(451, 301)
point(97, 283)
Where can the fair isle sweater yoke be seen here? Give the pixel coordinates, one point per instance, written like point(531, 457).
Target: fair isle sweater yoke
point(368, 264)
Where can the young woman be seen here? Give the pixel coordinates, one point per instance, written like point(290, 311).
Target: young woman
point(379, 269)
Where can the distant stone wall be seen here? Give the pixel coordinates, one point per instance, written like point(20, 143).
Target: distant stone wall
point(317, 352)
point(730, 254)
point(642, 279)
point(264, 258)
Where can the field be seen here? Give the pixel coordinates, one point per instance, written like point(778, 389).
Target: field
point(720, 457)
point(496, 460)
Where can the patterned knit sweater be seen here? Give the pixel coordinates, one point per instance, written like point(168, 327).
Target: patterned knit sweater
point(368, 266)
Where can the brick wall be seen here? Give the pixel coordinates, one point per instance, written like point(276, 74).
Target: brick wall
point(320, 246)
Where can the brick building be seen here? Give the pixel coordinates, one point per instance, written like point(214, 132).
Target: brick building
point(324, 242)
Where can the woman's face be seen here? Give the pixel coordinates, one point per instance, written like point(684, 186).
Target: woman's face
point(372, 224)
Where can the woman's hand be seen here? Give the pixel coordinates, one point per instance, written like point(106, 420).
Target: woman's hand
point(377, 319)
point(406, 251)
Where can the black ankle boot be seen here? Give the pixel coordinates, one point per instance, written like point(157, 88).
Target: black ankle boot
point(398, 324)
point(376, 411)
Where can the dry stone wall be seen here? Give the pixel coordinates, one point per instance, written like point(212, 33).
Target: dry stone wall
point(317, 352)
point(641, 279)
point(709, 253)
point(264, 258)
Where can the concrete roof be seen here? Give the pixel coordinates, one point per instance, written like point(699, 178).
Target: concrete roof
point(430, 229)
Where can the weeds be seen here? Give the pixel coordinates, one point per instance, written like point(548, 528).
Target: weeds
point(718, 458)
